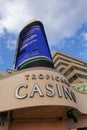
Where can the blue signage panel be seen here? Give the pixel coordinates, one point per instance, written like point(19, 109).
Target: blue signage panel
point(33, 45)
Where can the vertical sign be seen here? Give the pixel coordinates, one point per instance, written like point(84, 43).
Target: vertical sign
point(33, 49)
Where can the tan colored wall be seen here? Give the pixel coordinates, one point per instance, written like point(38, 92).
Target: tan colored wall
point(8, 86)
point(73, 129)
point(8, 101)
point(49, 125)
point(59, 54)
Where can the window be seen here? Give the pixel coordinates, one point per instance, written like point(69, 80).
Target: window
point(74, 68)
point(61, 63)
point(74, 77)
point(59, 54)
point(69, 71)
point(61, 69)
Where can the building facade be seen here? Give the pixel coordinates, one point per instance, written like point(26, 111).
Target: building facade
point(42, 98)
point(75, 70)
point(35, 95)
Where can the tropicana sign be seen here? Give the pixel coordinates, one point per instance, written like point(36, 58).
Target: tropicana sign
point(38, 86)
point(59, 83)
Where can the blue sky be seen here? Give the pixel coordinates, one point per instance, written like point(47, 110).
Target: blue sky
point(65, 23)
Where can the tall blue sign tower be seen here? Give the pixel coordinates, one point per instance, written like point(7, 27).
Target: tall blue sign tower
point(32, 47)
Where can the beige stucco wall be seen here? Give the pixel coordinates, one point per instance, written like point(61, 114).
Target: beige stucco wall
point(38, 125)
point(8, 100)
point(8, 86)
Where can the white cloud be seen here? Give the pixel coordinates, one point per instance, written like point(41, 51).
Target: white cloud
point(11, 44)
point(84, 35)
point(60, 17)
point(83, 54)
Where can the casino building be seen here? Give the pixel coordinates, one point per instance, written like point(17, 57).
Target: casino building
point(75, 70)
point(35, 94)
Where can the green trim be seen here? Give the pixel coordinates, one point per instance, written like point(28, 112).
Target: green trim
point(34, 60)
